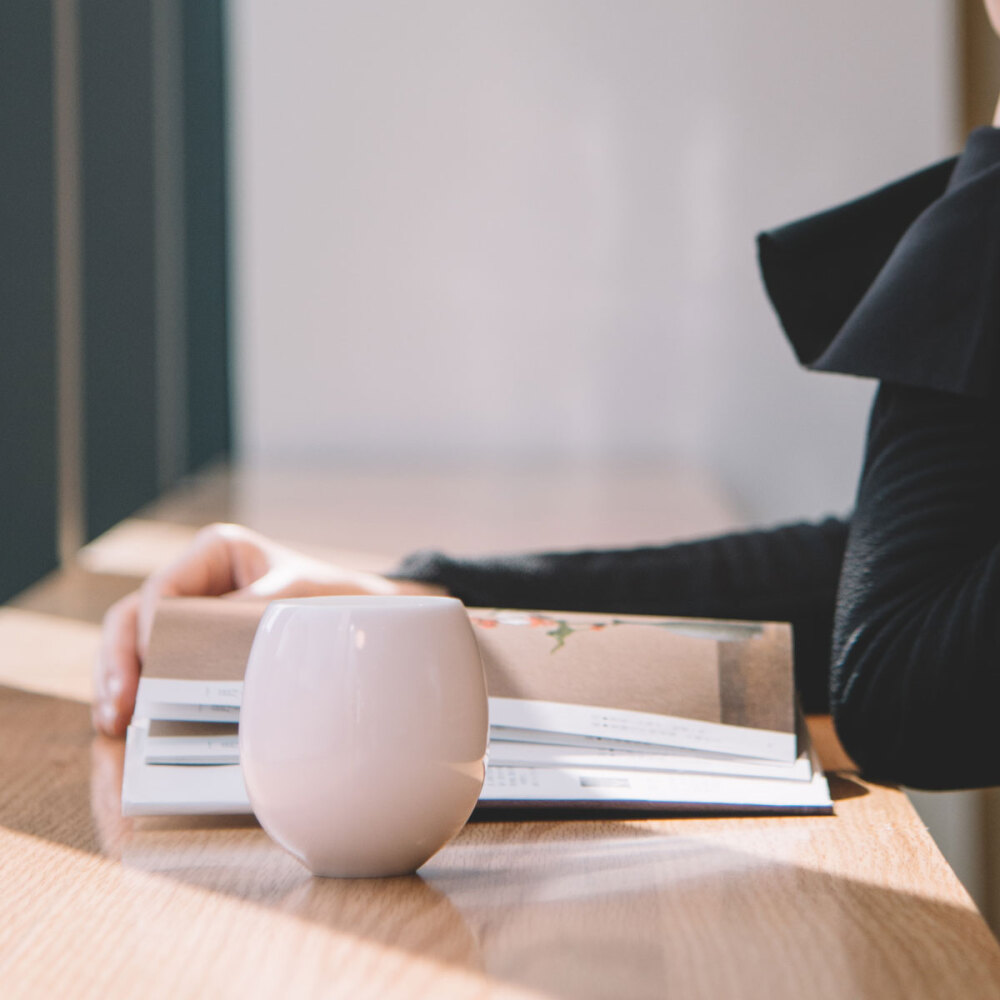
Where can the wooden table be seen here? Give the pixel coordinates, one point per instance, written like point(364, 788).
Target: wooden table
point(860, 904)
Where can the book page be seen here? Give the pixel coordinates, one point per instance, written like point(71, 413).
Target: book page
point(603, 661)
point(735, 673)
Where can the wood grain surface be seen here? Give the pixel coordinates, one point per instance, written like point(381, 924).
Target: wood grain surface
point(859, 904)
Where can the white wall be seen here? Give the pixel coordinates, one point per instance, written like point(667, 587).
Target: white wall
point(515, 229)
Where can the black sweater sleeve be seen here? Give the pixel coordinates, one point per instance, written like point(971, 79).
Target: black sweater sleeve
point(784, 574)
point(916, 660)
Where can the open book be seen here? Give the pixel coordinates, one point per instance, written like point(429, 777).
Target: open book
point(586, 711)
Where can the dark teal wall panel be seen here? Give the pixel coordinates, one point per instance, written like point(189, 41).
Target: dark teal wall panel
point(206, 278)
point(119, 313)
point(28, 470)
point(117, 179)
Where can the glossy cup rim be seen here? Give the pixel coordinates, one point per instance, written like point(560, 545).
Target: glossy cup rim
point(368, 601)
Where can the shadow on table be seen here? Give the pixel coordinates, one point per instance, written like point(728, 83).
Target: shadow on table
point(844, 786)
point(580, 909)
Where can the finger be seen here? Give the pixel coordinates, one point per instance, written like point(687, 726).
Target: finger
point(116, 670)
point(277, 583)
point(307, 578)
point(222, 557)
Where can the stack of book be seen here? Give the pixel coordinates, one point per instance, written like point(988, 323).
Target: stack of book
point(607, 712)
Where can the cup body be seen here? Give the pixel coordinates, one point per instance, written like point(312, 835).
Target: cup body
point(363, 729)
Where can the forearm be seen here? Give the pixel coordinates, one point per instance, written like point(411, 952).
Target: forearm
point(785, 574)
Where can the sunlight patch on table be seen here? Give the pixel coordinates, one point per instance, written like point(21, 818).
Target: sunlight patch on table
point(47, 654)
point(136, 547)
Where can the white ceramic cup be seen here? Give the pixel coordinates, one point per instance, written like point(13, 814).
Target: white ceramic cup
point(363, 729)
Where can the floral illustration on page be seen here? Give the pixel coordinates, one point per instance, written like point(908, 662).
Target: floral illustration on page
point(560, 629)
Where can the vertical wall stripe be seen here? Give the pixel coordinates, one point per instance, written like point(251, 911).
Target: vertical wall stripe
point(206, 254)
point(169, 239)
point(68, 297)
point(121, 468)
point(28, 513)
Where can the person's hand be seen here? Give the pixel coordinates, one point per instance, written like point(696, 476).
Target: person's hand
point(224, 560)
